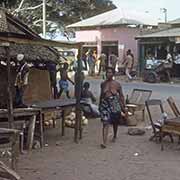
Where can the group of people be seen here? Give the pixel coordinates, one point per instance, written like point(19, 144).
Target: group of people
point(99, 63)
point(93, 62)
point(111, 103)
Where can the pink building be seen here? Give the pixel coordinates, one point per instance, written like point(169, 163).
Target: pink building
point(113, 31)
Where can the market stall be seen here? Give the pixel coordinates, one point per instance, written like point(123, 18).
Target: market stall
point(28, 38)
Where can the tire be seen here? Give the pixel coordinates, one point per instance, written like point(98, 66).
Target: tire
point(150, 77)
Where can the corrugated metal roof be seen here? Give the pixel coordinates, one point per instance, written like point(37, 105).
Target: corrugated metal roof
point(172, 32)
point(176, 21)
point(117, 17)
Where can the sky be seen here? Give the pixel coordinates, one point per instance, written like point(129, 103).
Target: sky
point(152, 7)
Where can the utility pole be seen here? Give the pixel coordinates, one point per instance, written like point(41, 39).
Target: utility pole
point(44, 18)
point(164, 10)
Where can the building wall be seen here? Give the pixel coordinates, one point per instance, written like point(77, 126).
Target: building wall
point(124, 36)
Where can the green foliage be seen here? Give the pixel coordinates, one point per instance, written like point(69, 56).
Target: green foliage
point(60, 13)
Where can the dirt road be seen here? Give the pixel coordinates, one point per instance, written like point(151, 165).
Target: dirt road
point(130, 158)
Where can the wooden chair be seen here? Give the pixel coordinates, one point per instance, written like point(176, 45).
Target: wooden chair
point(156, 126)
point(11, 137)
point(138, 98)
point(173, 106)
point(20, 126)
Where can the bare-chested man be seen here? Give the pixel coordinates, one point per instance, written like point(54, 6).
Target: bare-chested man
point(63, 83)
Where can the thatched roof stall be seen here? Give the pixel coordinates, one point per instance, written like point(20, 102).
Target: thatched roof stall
point(24, 40)
point(10, 26)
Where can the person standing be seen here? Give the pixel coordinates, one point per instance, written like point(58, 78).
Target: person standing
point(112, 60)
point(63, 83)
point(102, 66)
point(111, 105)
point(51, 67)
point(129, 63)
point(91, 62)
point(169, 61)
point(21, 80)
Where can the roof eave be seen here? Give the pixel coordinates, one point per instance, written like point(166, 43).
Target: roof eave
point(107, 26)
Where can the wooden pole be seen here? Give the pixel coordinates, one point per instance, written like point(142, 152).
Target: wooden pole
point(78, 88)
point(44, 18)
point(9, 90)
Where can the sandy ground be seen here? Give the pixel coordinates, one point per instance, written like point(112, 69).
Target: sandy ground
point(130, 158)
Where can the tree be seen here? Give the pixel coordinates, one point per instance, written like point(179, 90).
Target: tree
point(60, 13)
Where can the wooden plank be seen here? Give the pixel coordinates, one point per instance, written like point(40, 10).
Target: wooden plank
point(41, 129)
point(19, 113)
point(31, 130)
point(15, 150)
point(9, 89)
point(63, 122)
point(78, 89)
point(8, 173)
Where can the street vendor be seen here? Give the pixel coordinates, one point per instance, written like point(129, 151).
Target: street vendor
point(21, 81)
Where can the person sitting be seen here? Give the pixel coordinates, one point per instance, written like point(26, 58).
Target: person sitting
point(87, 94)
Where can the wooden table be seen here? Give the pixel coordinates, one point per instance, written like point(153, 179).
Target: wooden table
point(31, 115)
point(62, 105)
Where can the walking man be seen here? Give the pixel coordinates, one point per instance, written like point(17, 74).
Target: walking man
point(129, 63)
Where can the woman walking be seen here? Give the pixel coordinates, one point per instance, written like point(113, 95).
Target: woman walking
point(111, 105)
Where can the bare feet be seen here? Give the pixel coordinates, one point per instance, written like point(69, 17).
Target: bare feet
point(113, 140)
point(103, 146)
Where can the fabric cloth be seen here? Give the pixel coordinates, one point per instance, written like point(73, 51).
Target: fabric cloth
point(91, 63)
point(63, 84)
point(110, 110)
point(19, 96)
point(22, 75)
point(90, 109)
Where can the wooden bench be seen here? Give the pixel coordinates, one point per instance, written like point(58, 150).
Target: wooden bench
point(13, 136)
point(173, 106)
point(29, 115)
